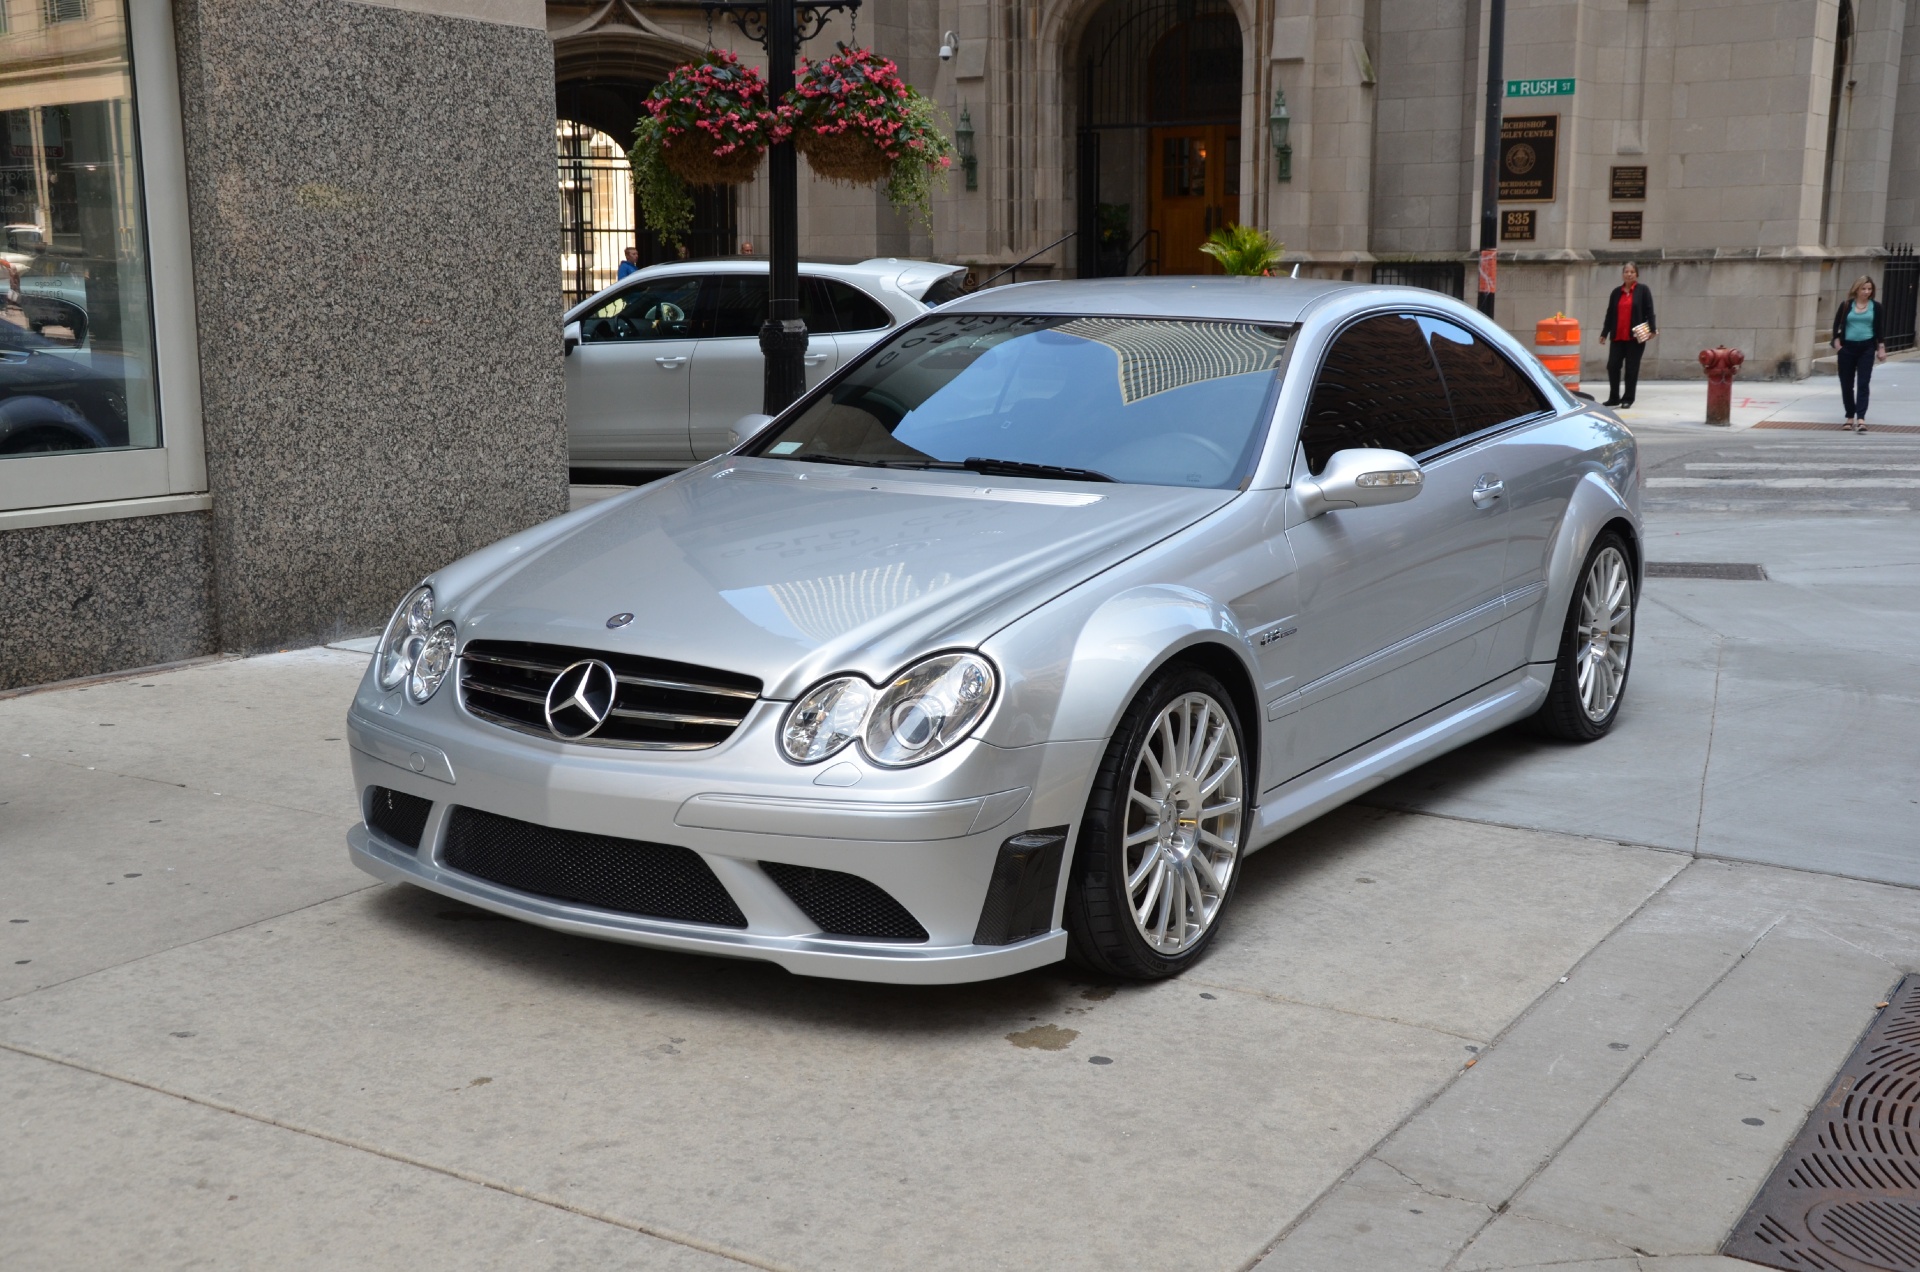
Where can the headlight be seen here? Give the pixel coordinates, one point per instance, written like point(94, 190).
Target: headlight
point(928, 709)
point(431, 664)
point(825, 720)
point(406, 633)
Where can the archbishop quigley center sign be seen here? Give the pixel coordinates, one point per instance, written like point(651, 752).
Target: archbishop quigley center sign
point(1529, 155)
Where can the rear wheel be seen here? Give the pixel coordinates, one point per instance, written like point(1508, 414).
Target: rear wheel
point(1596, 647)
point(1159, 848)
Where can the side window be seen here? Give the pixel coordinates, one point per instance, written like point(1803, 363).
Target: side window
point(816, 307)
point(856, 310)
point(736, 305)
point(1486, 389)
point(660, 310)
point(1377, 387)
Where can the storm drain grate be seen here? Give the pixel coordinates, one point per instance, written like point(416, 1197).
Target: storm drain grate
point(1846, 1197)
point(1739, 571)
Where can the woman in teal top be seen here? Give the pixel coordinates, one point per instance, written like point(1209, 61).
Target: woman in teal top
point(1860, 338)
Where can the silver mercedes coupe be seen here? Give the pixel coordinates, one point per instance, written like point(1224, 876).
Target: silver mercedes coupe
point(1012, 638)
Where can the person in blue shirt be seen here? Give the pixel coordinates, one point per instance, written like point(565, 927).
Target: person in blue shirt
point(1860, 338)
point(629, 266)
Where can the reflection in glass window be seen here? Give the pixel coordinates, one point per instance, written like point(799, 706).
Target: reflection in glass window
point(1151, 401)
point(76, 339)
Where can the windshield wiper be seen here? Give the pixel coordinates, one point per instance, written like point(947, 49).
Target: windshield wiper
point(1019, 468)
point(973, 464)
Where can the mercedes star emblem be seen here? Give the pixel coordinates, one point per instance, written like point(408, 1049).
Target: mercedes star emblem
point(619, 620)
point(580, 700)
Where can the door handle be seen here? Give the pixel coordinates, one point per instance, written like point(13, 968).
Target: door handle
point(814, 360)
point(670, 363)
point(1488, 489)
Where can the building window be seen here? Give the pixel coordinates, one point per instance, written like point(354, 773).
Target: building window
point(78, 370)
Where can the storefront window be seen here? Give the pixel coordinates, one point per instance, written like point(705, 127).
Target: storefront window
point(76, 332)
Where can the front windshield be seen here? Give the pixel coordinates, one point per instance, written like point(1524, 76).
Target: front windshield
point(1151, 401)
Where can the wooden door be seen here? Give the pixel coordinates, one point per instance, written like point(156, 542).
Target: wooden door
point(1195, 189)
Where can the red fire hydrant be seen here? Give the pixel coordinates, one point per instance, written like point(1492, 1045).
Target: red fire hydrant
point(1721, 364)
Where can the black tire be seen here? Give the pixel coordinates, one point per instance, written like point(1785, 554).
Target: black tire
point(1102, 934)
point(1566, 714)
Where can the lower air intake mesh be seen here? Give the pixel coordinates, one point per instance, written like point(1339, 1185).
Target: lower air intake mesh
point(844, 904)
point(397, 815)
point(659, 881)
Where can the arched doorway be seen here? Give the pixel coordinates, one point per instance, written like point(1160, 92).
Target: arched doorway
point(1159, 135)
point(598, 91)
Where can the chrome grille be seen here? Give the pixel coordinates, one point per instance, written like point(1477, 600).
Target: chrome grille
point(659, 705)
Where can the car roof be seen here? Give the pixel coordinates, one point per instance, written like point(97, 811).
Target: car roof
point(1240, 299)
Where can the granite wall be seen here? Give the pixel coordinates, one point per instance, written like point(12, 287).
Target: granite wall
point(101, 595)
point(376, 260)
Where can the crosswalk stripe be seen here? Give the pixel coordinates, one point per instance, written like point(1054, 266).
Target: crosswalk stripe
point(1789, 483)
point(1798, 467)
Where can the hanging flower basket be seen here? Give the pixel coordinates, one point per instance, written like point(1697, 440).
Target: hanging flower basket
point(858, 122)
point(708, 123)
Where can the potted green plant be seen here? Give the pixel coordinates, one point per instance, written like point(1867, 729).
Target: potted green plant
point(1243, 249)
point(707, 123)
point(858, 122)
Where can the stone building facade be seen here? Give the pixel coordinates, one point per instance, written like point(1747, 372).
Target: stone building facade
point(342, 212)
point(1747, 154)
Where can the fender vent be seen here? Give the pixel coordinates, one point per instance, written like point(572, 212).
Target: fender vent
point(1846, 1196)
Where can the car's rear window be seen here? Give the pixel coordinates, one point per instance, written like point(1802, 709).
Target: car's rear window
point(1152, 401)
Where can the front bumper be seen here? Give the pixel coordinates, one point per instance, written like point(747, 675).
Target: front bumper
point(930, 839)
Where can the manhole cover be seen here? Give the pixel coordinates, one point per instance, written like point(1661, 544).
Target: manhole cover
point(1846, 1197)
point(1738, 570)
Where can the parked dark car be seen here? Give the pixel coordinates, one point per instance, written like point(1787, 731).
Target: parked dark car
point(54, 398)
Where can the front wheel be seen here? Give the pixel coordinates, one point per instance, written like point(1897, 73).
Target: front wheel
point(1596, 646)
point(1159, 848)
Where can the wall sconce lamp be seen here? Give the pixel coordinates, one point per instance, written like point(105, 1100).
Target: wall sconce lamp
point(963, 142)
point(1281, 124)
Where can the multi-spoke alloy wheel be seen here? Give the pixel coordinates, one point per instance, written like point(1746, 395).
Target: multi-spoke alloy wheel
point(1605, 633)
point(1595, 647)
point(1159, 850)
point(1183, 823)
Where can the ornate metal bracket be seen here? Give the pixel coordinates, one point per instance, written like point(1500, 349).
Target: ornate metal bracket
point(809, 19)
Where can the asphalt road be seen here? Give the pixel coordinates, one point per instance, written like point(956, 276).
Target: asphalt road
point(1780, 472)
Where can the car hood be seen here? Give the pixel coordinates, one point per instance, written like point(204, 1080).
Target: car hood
point(789, 571)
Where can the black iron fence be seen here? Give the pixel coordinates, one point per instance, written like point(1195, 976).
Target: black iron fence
point(1899, 286)
point(1441, 276)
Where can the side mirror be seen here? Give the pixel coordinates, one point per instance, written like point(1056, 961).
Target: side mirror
point(746, 428)
point(1360, 478)
point(569, 339)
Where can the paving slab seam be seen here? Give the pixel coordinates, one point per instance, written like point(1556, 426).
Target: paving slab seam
point(1713, 722)
point(268, 918)
point(1372, 1153)
point(405, 1159)
point(1613, 1090)
point(179, 786)
point(1339, 1011)
point(1689, 853)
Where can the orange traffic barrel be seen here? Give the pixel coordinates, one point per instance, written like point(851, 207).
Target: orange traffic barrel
point(1556, 342)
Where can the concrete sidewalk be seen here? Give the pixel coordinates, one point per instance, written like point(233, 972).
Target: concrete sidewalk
point(1532, 1006)
point(1774, 403)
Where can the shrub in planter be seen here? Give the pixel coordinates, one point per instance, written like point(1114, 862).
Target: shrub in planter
point(707, 123)
point(858, 122)
point(1244, 249)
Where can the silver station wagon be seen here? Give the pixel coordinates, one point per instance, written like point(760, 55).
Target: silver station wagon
point(1012, 638)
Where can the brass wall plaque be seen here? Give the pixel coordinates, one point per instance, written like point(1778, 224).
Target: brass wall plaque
point(1626, 225)
point(1516, 225)
point(1630, 184)
point(1529, 154)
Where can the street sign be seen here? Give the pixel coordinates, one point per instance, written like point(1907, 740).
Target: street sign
point(1540, 88)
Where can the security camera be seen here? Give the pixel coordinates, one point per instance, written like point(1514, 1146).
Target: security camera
point(947, 44)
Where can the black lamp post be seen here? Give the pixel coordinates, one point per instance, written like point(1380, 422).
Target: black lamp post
point(780, 27)
point(1490, 159)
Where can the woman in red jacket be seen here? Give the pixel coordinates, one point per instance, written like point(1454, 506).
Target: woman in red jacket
point(1628, 325)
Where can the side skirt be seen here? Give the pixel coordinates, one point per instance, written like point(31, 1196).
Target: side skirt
point(1294, 803)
